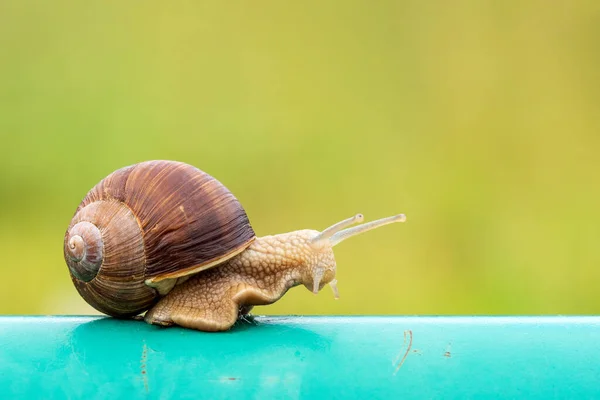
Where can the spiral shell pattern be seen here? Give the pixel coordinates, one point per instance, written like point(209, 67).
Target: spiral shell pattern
point(84, 250)
point(149, 222)
point(104, 235)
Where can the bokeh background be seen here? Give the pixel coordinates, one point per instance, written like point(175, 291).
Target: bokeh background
point(479, 120)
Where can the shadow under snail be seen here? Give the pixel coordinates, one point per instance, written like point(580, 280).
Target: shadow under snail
point(169, 239)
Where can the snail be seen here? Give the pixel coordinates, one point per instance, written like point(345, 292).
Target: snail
point(168, 239)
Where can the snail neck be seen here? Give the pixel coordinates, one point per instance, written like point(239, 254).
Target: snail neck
point(282, 254)
point(286, 260)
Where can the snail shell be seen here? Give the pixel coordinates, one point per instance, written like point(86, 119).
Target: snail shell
point(146, 223)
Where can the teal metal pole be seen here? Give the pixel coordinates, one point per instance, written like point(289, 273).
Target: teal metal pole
point(303, 357)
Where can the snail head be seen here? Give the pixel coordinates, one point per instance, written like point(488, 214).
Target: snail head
point(320, 264)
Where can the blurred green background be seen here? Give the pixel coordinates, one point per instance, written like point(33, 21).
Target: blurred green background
point(479, 120)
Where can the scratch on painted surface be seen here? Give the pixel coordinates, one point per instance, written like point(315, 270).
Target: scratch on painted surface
point(225, 379)
point(143, 362)
point(407, 334)
point(447, 352)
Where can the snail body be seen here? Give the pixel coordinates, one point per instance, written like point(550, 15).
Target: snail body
point(169, 239)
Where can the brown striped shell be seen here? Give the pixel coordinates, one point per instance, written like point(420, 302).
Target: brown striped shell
point(146, 223)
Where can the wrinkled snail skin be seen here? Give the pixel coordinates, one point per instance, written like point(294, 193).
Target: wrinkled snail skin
point(167, 238)
point(261, 275)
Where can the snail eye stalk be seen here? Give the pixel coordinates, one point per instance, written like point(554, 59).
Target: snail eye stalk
point(357, 230)
point(324, 236)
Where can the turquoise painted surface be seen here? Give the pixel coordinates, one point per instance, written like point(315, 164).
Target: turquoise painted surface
point(303, 357)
